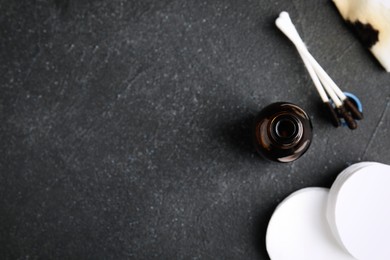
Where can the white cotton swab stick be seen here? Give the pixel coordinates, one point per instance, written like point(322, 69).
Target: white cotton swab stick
point(285, 24)
point(316, 80)
point(317, 83)
point(332, 113)
point(297, 40)
point(324, 77)
point(287, 27)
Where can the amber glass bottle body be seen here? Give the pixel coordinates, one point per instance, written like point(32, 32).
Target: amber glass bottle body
point(282, 132)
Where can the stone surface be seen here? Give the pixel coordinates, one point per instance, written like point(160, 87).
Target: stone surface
point(125, 124)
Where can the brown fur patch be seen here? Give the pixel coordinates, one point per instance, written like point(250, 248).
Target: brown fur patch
point(367, 34)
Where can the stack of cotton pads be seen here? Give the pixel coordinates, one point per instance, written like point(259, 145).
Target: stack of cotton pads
point(349, 221)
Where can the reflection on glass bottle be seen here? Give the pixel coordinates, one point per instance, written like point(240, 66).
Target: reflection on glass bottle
point(282, 132)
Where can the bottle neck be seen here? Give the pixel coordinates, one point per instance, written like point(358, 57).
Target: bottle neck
point(286, 129)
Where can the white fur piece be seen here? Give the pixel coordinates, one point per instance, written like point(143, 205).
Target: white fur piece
point(377, 14)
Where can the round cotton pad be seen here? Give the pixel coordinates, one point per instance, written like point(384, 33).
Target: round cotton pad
point(359, 210)
point(299, 230)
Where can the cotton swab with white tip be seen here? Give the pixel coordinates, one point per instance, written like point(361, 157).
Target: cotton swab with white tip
point(341, 102)
point(289, 27)
point(284, 24)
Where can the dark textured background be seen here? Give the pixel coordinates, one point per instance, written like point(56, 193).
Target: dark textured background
point(125, 124)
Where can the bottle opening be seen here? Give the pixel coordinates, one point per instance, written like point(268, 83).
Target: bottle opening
point(286, 128)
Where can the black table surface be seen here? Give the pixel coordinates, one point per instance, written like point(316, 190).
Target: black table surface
point(125, 125)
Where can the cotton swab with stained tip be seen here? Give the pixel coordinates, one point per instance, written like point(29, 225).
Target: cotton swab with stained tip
point(287, 27)
point(284, 23)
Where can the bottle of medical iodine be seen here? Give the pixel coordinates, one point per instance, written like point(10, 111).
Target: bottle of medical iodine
point(282, 132)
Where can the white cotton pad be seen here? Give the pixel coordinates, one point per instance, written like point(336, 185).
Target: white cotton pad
point(345, 174)
point(358, 210)
point(298, 229)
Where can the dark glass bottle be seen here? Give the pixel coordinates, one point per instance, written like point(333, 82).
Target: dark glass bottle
point(282, 132)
